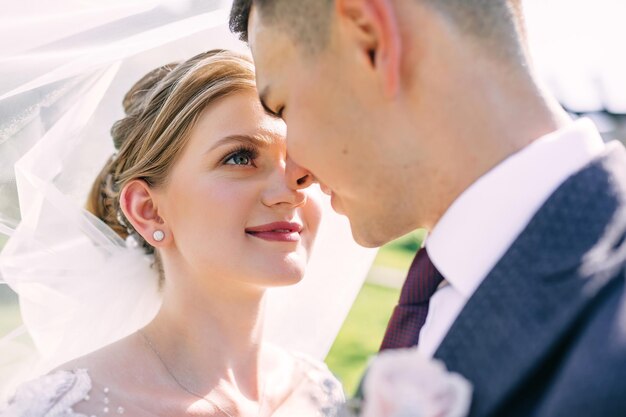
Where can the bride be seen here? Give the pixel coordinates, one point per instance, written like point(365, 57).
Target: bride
point(199, 183)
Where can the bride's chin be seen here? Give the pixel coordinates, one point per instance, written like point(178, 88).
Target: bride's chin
point(284, 281)
point(288, 273)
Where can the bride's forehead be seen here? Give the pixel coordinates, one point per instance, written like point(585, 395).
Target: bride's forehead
point(238, 108)
point(248, 120)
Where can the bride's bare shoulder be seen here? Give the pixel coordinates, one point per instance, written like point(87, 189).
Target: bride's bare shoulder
point(106, 362)
point(114, 373)
point(119, 367)
point(75, 379)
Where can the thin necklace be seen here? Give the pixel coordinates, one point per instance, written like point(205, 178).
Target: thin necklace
point(171, 374)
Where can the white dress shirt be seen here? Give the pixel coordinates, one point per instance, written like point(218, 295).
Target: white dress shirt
point(483, 222)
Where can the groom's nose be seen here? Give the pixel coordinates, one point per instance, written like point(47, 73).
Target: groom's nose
point(297, 177)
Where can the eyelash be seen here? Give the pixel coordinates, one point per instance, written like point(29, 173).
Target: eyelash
point(242, 150)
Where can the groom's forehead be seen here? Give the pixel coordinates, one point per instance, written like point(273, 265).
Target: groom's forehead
point(272, 49)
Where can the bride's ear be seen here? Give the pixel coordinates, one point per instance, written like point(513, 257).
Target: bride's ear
point(137, 202)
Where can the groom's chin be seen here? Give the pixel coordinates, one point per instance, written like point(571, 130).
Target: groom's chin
point(365, 237)
point(374, 233)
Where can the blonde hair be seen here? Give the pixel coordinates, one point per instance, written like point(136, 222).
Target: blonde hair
point(161, 110)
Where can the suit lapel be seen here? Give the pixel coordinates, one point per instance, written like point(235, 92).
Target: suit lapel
point(534, 296)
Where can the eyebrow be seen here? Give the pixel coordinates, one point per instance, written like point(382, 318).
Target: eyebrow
point(263, 97)
point(259, 141)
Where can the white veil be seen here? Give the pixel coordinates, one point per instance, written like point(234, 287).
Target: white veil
point(64, 68)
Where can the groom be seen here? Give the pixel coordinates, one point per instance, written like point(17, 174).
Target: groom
point(426, 113)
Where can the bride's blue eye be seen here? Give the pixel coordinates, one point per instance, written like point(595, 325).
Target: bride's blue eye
point(238, 159)
point(242, 157)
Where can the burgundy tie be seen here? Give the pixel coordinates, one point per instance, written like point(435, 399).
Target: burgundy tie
point(410, 314)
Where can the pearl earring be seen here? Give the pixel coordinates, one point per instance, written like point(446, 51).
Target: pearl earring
point(158, 235)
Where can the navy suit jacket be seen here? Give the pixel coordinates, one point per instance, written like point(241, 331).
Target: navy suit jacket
point(544, 335)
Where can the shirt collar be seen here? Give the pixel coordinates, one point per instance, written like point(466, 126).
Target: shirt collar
point(483, 222)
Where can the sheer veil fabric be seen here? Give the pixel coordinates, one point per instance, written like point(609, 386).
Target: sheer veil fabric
point(64, 68)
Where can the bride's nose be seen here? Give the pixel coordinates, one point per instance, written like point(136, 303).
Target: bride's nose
point(287, 187)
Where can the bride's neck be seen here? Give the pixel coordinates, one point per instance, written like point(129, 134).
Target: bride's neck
point(211, 330)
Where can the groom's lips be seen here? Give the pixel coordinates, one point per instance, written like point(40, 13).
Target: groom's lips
point(333, 198)
point(277, 231)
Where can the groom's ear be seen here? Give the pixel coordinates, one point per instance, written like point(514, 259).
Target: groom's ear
point(137, 202)
point(373, 26)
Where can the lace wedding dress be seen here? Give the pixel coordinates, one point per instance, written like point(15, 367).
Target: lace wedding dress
point(65, 393)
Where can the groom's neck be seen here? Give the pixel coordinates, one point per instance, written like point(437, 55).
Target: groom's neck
point(476, 110)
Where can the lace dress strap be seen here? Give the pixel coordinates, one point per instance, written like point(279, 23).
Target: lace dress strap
point(52, 395)
point(328, 397)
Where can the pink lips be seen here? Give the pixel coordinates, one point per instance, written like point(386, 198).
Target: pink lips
point(277, 232)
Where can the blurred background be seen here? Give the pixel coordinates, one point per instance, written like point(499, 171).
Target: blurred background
point(579, 54)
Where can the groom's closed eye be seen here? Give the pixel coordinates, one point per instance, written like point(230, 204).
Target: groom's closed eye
point(264, 99)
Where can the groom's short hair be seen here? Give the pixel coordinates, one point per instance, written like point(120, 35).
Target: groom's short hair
point(307, 19)
point(492, 21)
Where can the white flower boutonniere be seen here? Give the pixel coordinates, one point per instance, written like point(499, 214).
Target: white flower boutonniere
point(404, 383)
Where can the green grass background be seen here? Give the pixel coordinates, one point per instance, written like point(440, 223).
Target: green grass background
point(361, 334)
point(364, 328)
